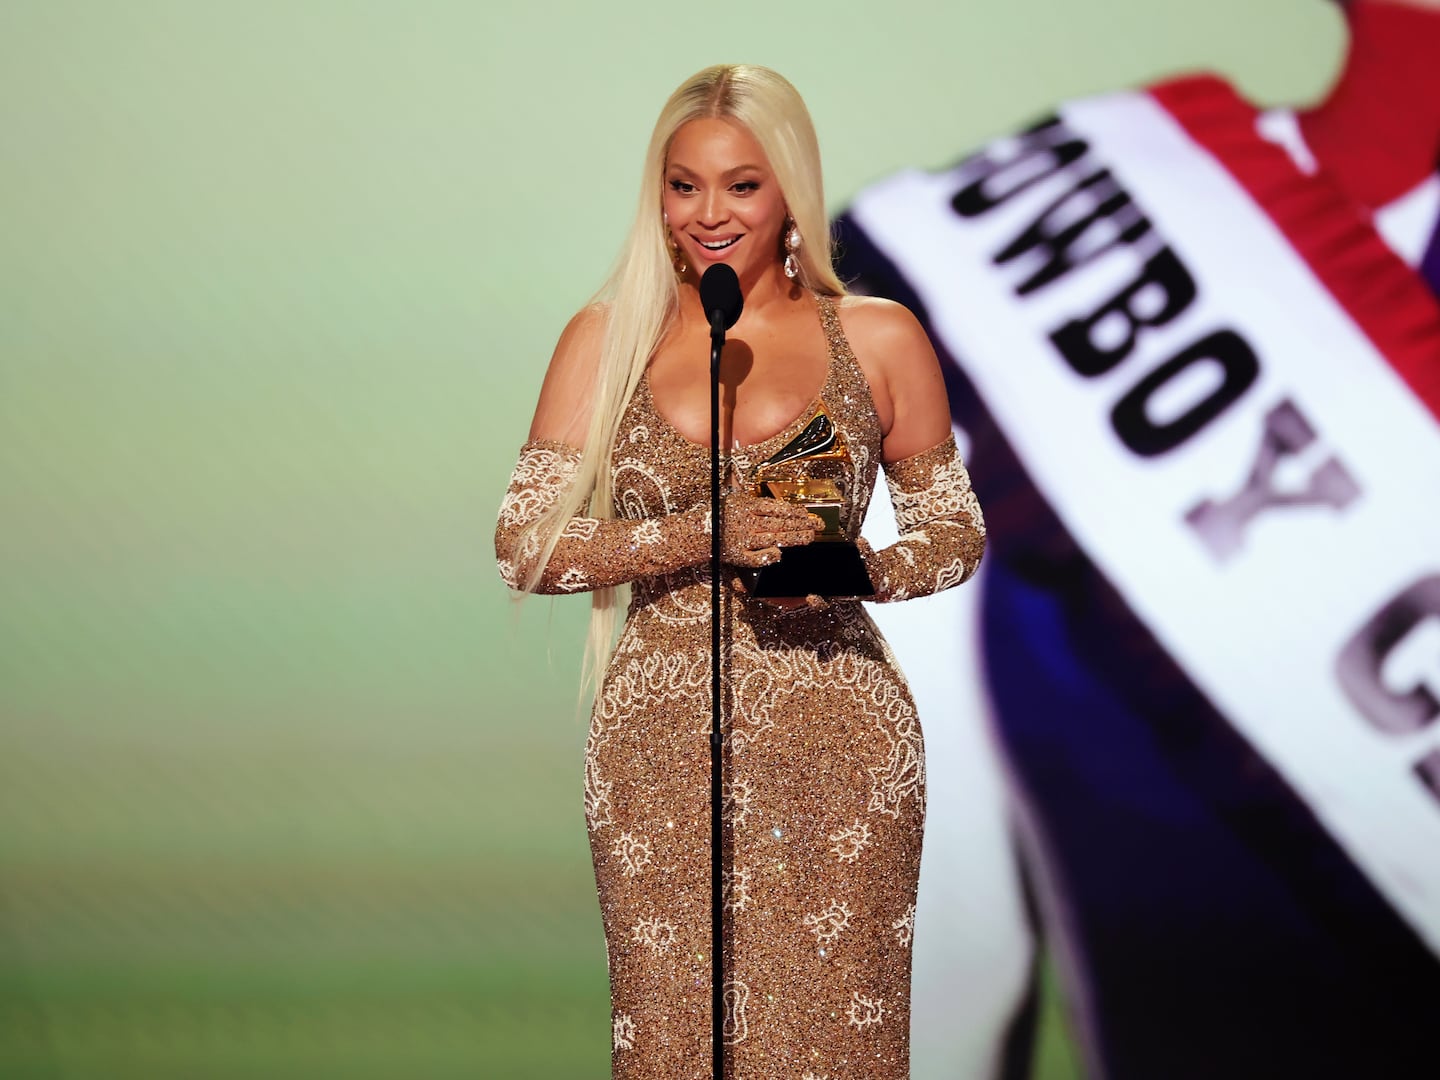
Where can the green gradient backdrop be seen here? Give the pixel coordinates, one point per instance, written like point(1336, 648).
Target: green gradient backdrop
point(286, 787)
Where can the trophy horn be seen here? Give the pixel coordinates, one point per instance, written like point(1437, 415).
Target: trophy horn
point(819, 440)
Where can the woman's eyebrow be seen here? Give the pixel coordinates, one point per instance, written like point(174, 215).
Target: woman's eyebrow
point(678, 168)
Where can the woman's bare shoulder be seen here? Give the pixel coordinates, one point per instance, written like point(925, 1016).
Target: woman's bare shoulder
point(563, 411)
point(881, 328)
point(886, 335)
point(585, 331)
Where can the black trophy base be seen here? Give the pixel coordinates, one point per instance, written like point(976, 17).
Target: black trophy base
point(828, 568)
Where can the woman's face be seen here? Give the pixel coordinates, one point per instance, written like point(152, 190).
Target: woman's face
point(722, 201)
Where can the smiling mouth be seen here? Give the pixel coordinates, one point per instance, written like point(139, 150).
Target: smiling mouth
point(718, 245)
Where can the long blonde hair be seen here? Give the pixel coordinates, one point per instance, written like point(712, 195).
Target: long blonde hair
point(642, 294)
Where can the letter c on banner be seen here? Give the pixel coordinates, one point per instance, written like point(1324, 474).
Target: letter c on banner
point(1360, 666)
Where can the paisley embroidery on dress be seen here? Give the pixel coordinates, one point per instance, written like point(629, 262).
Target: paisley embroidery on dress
point(736, 889)
point(904, 926)
point(903, 772)
point(633, 853)
point(865, 1011)
point(850, 841)
point(654, 932)
point(736, 801)
point(623, 1032)
point(597, 792)
point(734, 996)
point(826, 925)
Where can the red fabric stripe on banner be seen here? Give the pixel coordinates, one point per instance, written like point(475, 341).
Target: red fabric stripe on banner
point(1387, 299)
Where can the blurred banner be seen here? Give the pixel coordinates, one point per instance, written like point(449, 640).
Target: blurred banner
point(1201, 386)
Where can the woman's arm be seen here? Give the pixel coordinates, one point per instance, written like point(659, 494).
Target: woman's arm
point(942, 532)
point(591, 553)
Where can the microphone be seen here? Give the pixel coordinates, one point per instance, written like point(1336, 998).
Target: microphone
point(721, 299)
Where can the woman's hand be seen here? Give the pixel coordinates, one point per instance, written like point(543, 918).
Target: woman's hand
point(756, 528)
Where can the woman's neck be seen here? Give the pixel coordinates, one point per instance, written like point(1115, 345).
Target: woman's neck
point(1378, 132)
point(760, 294)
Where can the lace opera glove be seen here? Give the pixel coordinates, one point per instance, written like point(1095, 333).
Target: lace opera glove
point(942, 533)
point(591, 553)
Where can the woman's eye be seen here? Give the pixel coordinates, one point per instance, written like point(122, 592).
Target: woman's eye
point(745, 187)
point(682, 186)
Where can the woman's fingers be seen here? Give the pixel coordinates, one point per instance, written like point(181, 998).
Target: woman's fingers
point(791, 537)
point(757, 528)
point(760, 557)
point(784, 511)
point(787, 519)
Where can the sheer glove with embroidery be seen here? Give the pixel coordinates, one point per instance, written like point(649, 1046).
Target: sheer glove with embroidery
point(942, 532)
point(595, 553)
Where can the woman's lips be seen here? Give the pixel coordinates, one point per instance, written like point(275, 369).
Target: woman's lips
point(716, 249)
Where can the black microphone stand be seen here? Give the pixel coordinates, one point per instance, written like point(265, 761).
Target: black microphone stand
point(722, 303)
point(717, 831)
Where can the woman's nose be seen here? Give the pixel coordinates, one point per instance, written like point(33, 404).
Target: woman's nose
point(712, 211)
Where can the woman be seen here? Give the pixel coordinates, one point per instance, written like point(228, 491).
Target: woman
point(824, 769)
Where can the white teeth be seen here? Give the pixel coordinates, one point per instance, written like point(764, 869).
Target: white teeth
point(718, 244)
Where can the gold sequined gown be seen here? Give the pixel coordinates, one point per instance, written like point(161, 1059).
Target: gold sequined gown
point(824, 774)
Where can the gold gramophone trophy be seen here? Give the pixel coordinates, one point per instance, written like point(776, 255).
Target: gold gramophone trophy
point(831, 564)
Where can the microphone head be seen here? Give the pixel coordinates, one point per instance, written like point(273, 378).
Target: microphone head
point(720, 292)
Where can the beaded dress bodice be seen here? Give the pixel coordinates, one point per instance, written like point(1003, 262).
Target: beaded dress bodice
point(658, 471)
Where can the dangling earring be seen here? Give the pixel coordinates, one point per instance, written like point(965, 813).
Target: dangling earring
point(676, 259)
point(792, 245)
